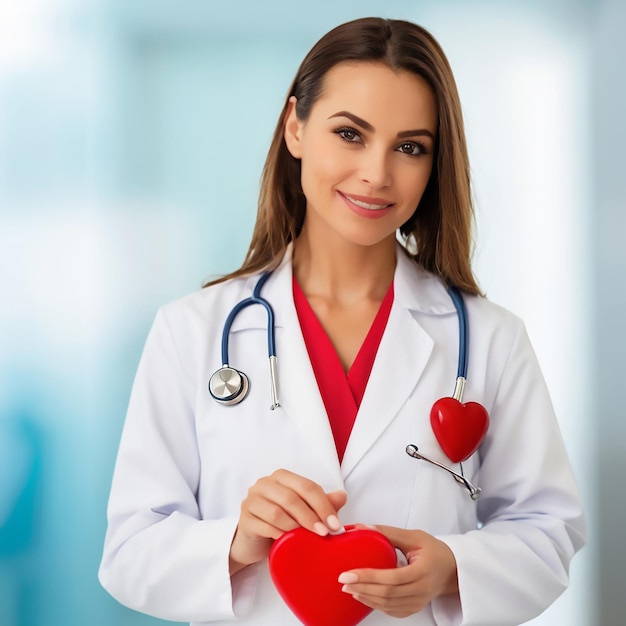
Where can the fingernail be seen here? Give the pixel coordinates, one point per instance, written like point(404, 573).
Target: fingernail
point(345, 578)
point(332, 521)
point(320, 529)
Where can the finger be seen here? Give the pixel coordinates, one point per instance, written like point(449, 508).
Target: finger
point(381, 581)
point(395, 601)
point(401, 609)
point(302, 500)
point(280, 509)
point(265, 518)
point(386, 593)
point(307, 502)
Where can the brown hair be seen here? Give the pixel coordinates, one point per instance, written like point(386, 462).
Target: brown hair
point(438, 236)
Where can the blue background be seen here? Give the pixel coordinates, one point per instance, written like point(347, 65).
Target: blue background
point(132, 136)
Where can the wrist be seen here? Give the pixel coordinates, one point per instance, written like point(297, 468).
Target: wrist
point(451, 581)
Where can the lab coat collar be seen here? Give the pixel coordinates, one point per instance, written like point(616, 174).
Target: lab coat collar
point(394, 375)
point(418, 290)
point(414, 288)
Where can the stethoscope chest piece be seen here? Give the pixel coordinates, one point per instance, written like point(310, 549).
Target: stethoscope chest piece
point(228, 386)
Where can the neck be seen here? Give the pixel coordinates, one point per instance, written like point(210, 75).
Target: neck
point(341, 271)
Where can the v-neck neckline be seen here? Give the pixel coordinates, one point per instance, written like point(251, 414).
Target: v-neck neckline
point(341, 392)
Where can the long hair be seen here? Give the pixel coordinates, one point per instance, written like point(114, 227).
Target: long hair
point(438, 236)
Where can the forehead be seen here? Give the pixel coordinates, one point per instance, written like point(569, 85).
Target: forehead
point(380, 95)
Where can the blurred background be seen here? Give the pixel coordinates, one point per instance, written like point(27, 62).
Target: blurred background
point(132, 136)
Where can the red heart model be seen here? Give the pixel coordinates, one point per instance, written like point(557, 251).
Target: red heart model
point(305, 568)
point(459, 428)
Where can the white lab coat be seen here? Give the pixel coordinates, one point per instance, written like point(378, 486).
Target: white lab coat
point(185, 463)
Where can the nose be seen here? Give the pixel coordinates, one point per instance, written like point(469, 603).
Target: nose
point(375, 168)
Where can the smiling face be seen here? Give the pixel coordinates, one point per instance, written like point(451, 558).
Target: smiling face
point(366, 152)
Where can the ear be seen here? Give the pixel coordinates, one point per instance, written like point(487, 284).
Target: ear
point(293, 130)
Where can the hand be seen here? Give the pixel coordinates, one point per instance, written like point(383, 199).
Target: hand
point(400, 592)
point(278, 503)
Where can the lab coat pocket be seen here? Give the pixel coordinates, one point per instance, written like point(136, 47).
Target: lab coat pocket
point(442, 503)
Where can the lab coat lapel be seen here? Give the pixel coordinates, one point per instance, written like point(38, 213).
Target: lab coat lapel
point(402, 356)
point(298, 393)
point(393, 378)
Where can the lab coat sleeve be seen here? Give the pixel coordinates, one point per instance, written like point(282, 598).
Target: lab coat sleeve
point(159, 557)
point(532, 521)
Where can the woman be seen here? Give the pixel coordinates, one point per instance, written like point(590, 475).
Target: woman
point(364, 221)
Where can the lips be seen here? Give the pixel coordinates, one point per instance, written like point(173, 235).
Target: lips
point(367, 206)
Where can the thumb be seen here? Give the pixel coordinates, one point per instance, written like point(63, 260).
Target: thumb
point(405, 540)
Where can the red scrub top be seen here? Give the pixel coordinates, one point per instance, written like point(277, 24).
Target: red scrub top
point(341, 392)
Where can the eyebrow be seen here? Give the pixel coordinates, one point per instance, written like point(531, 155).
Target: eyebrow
point(369, 128)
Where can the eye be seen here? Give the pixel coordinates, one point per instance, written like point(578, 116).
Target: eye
point(349, 135)
point(412, 148)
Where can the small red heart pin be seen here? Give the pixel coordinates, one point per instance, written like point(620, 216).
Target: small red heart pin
point(304, 568)
point(459, 428)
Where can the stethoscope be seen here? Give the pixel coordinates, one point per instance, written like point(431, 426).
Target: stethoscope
point(229, 386)
point(461, 378)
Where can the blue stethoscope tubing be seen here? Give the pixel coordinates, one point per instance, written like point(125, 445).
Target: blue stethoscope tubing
point(256, 298)
point(228, 385)
point(459, 305)
point(461, 372)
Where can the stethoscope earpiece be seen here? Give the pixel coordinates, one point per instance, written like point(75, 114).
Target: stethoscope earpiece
point(228, 386)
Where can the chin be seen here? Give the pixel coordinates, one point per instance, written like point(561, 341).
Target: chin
point(369, 240)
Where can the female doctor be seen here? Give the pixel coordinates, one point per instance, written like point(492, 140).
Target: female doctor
point(364, 221)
